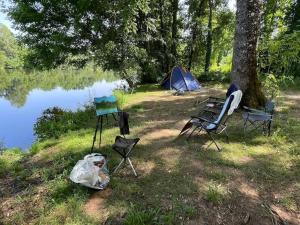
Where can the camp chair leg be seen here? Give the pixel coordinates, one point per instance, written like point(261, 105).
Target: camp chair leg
point(245, 127)
point(192, 133)
point(118, 166)
point(269, 127)
point(227, 137)
point(219, 149)
point(199, 130)
point(130, 163)
point(95, 134)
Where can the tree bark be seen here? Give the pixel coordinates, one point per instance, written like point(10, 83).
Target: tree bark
point(208, 38)
point(165, 59)
point(244, 62)
point(174, 30)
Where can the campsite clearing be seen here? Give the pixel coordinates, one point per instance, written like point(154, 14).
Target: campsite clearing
point(253, 180)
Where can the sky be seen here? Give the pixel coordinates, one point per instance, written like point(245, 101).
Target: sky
point(5, 20)
point(3, 17)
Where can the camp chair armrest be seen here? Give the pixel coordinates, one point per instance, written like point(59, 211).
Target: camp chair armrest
point(203, 119)
point(253, 110)
point(260, 113)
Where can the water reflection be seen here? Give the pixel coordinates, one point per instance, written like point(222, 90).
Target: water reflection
point(16, 123)
point(16, 85)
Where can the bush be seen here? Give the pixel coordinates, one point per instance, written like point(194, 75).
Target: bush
point(2, 147)
point(271, 86)
point(56, 121)
point(214, 76)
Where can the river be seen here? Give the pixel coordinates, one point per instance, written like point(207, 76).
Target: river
point(20, 109)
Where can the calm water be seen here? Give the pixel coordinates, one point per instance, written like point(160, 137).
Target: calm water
point(16, 122)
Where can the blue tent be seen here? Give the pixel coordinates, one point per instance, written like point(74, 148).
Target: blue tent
point(180, 80)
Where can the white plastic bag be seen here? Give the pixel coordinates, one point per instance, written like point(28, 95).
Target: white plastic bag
point(91, 171)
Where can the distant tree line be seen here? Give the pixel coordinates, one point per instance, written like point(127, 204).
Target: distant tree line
point(148, 38)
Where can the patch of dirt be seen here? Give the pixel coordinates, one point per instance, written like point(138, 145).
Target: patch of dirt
point(95, 207)
point(291, 217)
point(245, 159)
point(158, 134)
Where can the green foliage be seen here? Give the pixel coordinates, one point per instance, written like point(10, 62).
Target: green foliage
point(279, 47)
point(34, 149)
point(141, 217)
point(271, 86)
point(142, 40)
point(139, 37)
point(281, 55)
point(215, 193)
point(8, 159)
point(121, 98)
point(2, 147)
point(55, 121)
point(11, 52)
point(213, 76)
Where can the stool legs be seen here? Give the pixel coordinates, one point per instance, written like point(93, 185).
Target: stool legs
point(123, 161)
point(132, 167)
point(118, 166)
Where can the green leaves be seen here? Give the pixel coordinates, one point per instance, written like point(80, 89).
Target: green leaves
point(11, 52)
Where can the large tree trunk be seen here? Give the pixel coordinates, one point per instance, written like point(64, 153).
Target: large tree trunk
point(244, 52)
point(165, 59)
point(174, 30)
point(208, 38)
point(191, 55)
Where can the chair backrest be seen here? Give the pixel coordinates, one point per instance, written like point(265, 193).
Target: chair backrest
point(232, 88)
point(106, 105)
point(223, 113)
point(269, 107)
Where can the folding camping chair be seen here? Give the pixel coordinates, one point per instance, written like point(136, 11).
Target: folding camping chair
point(255, 118)
point(124, 146)
point(214, 126)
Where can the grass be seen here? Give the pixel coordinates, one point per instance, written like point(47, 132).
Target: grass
point(179, 182)
point(215, 193)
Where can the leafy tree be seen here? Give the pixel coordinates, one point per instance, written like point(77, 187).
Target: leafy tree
point(293, 17)
point(210, 24)
point(11, 53)
point(115, 34)
point(279, 50)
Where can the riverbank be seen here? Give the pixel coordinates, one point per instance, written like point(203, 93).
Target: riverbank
point(254, 178)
